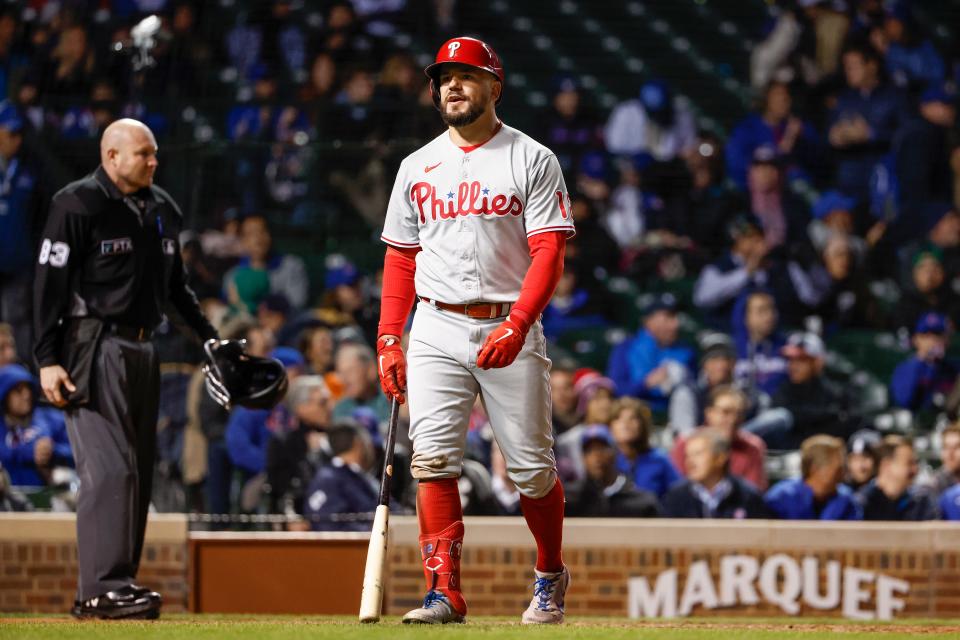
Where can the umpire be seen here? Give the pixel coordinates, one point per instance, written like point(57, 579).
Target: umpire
point(109, 267)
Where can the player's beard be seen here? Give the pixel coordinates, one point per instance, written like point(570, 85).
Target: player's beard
point(463, 119)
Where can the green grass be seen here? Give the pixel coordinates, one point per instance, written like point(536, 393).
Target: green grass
point(240, 627)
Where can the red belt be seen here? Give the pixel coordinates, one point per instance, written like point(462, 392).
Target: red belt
point(476, 310)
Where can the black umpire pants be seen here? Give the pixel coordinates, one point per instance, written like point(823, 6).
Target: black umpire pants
point(114, 445)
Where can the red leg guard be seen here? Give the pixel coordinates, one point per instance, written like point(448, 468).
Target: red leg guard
point(441, 563)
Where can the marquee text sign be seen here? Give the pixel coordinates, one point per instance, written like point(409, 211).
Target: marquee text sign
point(780, 579)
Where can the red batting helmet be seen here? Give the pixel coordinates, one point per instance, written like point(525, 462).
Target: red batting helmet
point(464, 50)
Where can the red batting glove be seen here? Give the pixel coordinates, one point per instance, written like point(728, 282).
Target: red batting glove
point(392, 366)
point(502, 346)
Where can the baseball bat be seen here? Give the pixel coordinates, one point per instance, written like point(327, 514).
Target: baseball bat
point(371, 598)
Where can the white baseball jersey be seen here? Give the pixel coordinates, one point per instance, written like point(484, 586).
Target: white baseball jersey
point(472, 210)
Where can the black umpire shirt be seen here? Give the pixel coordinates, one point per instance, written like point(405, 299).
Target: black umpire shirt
point(112, 257)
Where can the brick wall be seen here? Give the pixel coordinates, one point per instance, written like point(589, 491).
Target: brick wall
point(604, 555)
point(38, 563)
point(38, 557)
point(497, 581)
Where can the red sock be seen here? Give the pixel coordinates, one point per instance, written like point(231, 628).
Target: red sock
point(438, 504)
point(544, 516)
point(441, 537)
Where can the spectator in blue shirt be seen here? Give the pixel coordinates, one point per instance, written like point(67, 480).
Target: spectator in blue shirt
point(866, 117)
point(345, 486)
point(573, 306)
point(20, 213)
point(911, 60)
point(247, 437)
point(249, 431)
point(760, 366)
point(33, 439)
point(656, 360)
point(927, 374)
point(649, 468)
point(818, 495)
point(950, 503)
point(776, 126)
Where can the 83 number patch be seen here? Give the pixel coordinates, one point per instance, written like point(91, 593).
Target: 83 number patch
point(56, 253)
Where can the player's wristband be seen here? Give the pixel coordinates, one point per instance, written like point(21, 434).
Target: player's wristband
point(521, 319)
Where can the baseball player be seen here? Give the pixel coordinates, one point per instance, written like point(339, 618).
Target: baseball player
point(475, 227)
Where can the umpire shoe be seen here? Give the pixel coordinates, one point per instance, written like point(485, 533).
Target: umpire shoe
point(124, 603)
point(436, 609)
point(549, 590)
point(146, 591)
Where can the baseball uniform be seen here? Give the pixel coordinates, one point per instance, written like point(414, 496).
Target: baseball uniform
point(471, 213)
point(476, 233)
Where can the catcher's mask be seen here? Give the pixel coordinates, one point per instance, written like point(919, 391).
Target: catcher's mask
point(233, 377)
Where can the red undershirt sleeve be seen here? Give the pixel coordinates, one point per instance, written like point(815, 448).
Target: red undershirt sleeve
point(546, 250)
point(399, 291)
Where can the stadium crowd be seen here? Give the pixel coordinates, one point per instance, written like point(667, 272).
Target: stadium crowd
point(833, 207)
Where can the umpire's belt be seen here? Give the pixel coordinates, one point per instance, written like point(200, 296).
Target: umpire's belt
point(477, 310)
point(136, 334)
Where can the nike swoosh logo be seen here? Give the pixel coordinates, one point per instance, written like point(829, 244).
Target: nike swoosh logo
point(381, 366)
point(504, 336)
point(429, 169)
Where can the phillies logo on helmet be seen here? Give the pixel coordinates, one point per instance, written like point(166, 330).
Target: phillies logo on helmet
point(467, 51)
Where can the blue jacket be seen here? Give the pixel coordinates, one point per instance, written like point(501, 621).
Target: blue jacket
point(920, 65)
point(651, 471)
point(19, 209)
point(793, 500)
point(578, 314)
point(915, 382)
point(337, 489)
point(17, 444)
point(758, 364)
point(950, 503)
point(643, 355)
point(753, 132)
point(247, 438)
point(884, 110)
